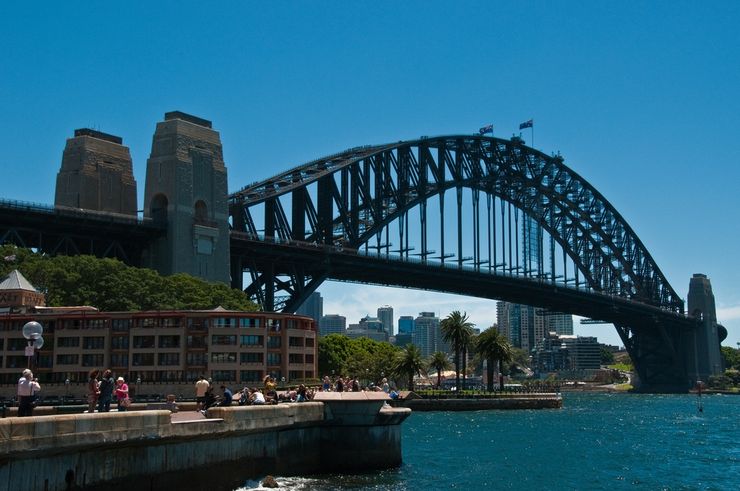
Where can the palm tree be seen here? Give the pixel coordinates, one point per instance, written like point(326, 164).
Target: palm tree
point(457, 331)
point(492, 346)
point(409, 363)
point(438, 361)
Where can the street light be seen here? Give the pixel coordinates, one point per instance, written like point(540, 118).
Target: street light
point(66, 386)
point(32, 331)
point(138, 382)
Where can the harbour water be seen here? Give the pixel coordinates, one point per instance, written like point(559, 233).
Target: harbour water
point(595, 442)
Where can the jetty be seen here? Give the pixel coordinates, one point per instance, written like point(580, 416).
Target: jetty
point(158, 449)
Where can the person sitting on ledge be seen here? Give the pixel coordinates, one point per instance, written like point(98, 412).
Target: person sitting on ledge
point(257, 397)
point(228, 397)
point(244, 395)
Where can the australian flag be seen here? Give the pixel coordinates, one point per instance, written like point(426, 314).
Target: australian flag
point(486, 129)
point(526, 124)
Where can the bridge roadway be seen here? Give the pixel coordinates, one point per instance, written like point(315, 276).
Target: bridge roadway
point(62, 230)
point(336, 263)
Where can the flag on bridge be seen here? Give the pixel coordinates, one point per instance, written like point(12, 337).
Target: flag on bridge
point(527, 124)
point(486, 129)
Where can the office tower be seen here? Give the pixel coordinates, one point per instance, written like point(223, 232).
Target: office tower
point(313, 307)
point(427, 335)
point(332, 324)
point(385, 314)
point(405, 324)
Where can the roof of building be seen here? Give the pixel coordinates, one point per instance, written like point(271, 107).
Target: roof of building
point(16, 281)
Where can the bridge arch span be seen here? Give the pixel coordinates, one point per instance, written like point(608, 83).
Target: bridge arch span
point(353, 198)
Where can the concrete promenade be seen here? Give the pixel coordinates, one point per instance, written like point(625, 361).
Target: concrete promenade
point(161, 450)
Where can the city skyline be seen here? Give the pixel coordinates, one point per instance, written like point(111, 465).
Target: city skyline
point(643, 101)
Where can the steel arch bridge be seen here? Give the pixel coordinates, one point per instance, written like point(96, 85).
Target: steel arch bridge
point(474, 215)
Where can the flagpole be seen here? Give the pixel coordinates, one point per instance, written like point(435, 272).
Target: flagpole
point(532, 133)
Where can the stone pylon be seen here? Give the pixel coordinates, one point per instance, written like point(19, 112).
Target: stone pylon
point(186, 189)
point(96, 174)
point(703, 354)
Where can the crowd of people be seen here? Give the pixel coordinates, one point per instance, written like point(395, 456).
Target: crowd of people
point(102, 389)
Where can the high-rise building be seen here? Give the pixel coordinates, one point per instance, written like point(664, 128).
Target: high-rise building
point(368, 327)
point(332, 324)
point(385, 314)
point(405, 324)
point(525, 326)
point(313, 307)
point(566, 352)
point(427, 335)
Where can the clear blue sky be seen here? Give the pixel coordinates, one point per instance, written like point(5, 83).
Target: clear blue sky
point(643, 100)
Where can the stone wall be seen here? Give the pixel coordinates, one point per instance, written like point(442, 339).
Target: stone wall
point(145, 448)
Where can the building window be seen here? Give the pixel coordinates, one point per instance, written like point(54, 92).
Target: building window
point(250, 375)
point(223, 357)
point(68, 342)
point(143, 359)
point(223, 340)
point(252, 340)
point(274, 359)
point(93, 342)
point(295, 342)
point(93, 360)
point(295, 374)
point(169, 341)
point(120, 324)
point(249, 322)
point(95, 324)
point(224, 322)
point(251, 358)
point(196, 359)
point(68, 359)
point(15, 344)
point(196, 342)
point(16, 362)
point(295, 358)
point(274, 342)
point(197, 324)
point(119, 361)
point(309, 342)
point(171, 322)
point(224, 375)
point(168, 359)
point(141, 342)
point(309, 359)
point(119, 342)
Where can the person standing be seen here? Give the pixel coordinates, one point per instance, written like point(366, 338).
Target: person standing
point(122, 394)
point(93, 390)
point(27, 389)
point(201, 387)
point(106, 392)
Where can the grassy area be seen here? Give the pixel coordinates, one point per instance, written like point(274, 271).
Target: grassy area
point(624, 387)
point(622, 367)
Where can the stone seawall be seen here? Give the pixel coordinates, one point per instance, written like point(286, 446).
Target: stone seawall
point(146, 450)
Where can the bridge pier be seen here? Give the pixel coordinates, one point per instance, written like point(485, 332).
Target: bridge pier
point(670, 358)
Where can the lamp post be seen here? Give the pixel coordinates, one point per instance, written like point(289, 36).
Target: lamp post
point(66, 387)
point(138, 382)
point(32, 331)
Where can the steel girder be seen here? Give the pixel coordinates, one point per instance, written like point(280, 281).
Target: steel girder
point(357, 193)
point(57, 230)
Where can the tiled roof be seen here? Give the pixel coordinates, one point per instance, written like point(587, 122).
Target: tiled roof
point(16, 281)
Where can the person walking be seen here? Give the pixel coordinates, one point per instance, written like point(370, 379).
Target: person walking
point(106, 392)
point(93, 390)
point(27, 389)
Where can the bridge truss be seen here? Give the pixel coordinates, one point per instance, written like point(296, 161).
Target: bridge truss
point(481, 205)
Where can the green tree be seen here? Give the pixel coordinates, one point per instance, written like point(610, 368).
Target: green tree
point(457, 330)
point(607, 357)
point(439, 362)
point(731, 357)
point(409, 363)
point(334, 351)
point(493, 347)
point(110, 285)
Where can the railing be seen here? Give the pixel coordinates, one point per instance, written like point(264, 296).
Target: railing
point(75, 212)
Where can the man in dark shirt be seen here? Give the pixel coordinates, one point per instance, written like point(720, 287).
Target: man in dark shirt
point(228, 397)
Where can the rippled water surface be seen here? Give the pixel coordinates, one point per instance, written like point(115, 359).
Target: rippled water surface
point(597, 441)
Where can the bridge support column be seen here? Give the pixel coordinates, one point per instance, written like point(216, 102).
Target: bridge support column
point(702, 351)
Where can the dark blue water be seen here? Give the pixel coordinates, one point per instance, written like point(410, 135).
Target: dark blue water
point(597, 441)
